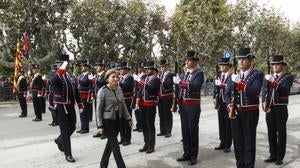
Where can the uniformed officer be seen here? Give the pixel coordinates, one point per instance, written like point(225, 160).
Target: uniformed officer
point(126, 82)
point(138, 95)
point(248, 84)
point(219, 98)
point(188, 98)
point(50, 96)
point(22, 92)
point(275, 93)
point(147, 104)
point(37, 85)
point(166, 95)
point(100, 81)
point(86, 90)
point(65, 97)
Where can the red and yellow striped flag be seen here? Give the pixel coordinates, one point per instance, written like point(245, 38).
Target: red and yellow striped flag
point(18, 66)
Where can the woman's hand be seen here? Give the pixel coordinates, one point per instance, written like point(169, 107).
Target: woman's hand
point(101, 130)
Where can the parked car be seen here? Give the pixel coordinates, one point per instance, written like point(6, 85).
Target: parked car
point(295, 89)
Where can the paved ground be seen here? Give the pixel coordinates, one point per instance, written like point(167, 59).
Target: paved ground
point(27, 144)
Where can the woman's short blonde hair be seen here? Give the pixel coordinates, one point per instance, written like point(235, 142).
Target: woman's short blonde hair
point(110, 72)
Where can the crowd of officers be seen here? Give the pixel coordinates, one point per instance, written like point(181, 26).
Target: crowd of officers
point(236, 99)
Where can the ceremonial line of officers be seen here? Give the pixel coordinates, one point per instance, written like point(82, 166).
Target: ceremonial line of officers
point(116, 94)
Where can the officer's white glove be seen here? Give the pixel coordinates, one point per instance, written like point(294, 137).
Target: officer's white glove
point(64, 65)
point(91, 76)
point(217, 82)
point(80, 110)
point(44, 77)
point(268, 77)
point(176, 79)
point(235, 78)
point(136, 78)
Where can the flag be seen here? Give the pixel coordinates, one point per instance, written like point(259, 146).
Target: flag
point(18, 66)
point(26, 45)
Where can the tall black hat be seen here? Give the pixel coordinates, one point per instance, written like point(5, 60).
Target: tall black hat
point(86, 63)
point(224, 61)
point(163, 62)
point(192, 55)
point(149, 65)
point(245, 53)
point(123, 65)
point(141, 65)
point(35, 66)
point(278, 59)
point(62, 58)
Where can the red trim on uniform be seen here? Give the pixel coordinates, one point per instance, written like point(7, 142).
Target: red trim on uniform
point(84, 95)
point(183, 85)
point(148, 104)
point(189, 102)
point(222, 86)
point(166, 96)
point(139, 101)
point(141, 84)
point(80, 105)
point(248, 108)
point(241, 85)
point(274, 85)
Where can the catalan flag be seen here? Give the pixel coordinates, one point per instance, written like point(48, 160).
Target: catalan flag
point(18, 66)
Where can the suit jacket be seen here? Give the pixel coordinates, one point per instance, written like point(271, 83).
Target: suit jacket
point(279, 95)
point(249, 97)
point(110, 104)
point(166, 89)
point(191, 94)
point(37, 85)
point(85, 87)
point(64, 92)
point(221, 91)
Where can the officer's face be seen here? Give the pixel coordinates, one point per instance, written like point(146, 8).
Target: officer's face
point(163, 68)
point(113, 79)
point(123, 71)
point(190, 64)
point(244, 63)
point(224, 68)
point(35, 70)
point(141, 69)
point(100, 68)
point(277, 68)
point(149, 72)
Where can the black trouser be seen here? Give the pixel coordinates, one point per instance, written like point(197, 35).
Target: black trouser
point(43, 105)
point(165, 115)
point(148, 126)
point(111, 130)
point(244, 138)
point(224, 127)
point(51, 109)
point(276, 122)
point(138, 118)
point(23, 104)
point(37, 105)
point(85, 115)
point(125, 129)
point(189, 115)
point(67, 125)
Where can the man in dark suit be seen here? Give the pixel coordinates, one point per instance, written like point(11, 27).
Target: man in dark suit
point(166, 96)
point(86, 90)
point(65, 97)
point(37, 85)
point(275, 93)
point(246, 85)
point(188, 98)
point(126, 82)
point(100, 81)
point(22, 92)
point(148, 102)
point(219, 99)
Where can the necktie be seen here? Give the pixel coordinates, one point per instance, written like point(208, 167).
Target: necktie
point(276, 77)
point(162, 75)
point(186, 76)
point(222, 78)
point(243, 76)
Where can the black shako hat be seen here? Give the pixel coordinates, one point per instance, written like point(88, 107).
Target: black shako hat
point(245, 53)
point(61, 58)
point(150, 65)
point(224, 61)
point(277, 59)
point(35, 66)
point(163, 62)
point(123, 65)
point(140, 65)
point(192, 55)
